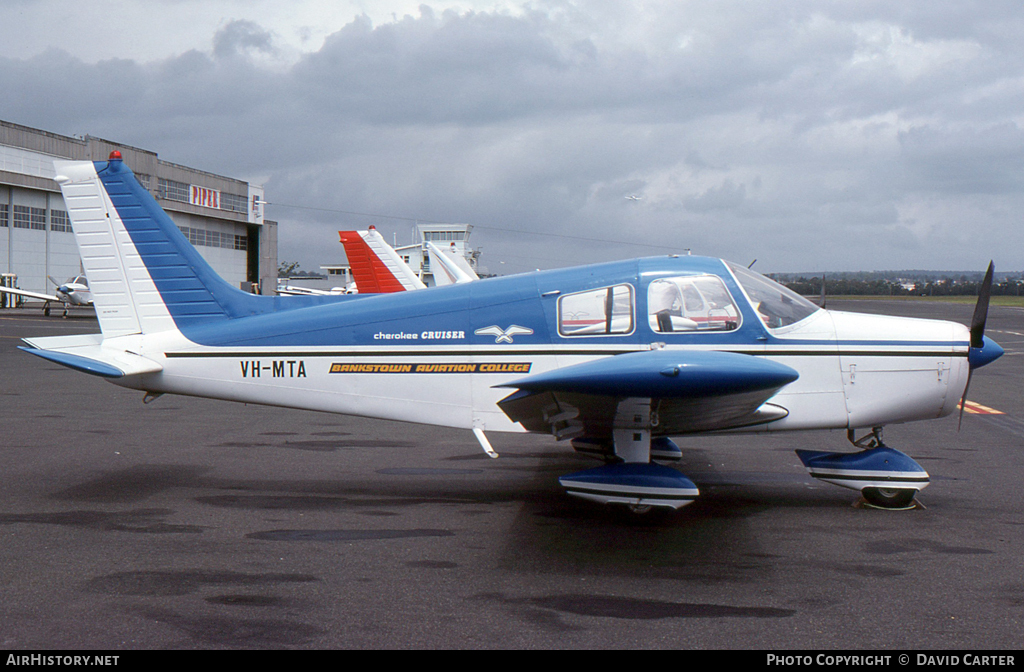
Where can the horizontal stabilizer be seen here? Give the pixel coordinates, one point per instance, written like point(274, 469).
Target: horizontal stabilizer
point(663, 374)
point(85, 353)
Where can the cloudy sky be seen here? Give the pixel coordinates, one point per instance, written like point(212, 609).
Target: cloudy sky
point(811, 135)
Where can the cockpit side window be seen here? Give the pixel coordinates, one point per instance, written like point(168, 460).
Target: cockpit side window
point(777, 306)
point(690, 303)
point(597, 312)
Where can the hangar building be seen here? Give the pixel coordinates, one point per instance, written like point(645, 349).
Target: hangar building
point(222, 216)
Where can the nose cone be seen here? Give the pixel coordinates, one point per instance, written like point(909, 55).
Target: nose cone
point(989, 351)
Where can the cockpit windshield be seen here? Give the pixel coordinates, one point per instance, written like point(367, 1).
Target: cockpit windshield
point(777, 306)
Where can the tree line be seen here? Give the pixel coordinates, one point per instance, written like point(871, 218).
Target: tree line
point(949, 286)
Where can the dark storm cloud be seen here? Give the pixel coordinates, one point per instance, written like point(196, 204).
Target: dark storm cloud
point(805, 134)
point(239, 37)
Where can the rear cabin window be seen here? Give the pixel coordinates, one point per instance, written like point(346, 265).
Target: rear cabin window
point(690, 303)
point(597, 312)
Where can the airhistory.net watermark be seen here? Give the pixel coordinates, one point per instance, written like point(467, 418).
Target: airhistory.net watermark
point(60, 660)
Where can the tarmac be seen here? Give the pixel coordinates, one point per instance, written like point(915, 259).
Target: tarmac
point(195, 524)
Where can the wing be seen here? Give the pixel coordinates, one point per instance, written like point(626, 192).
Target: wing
point(295, 290)
point(689, 392)
point(291, 290)
point(31, 295)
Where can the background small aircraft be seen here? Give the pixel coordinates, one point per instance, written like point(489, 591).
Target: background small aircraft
point(74, 292)
point(449, 266)
point(295, 290)
point(378, 269)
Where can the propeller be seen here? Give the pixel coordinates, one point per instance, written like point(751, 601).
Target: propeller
point(981, 309)
point(983, 350)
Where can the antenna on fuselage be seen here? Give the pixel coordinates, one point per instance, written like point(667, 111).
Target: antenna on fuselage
point(751, 264)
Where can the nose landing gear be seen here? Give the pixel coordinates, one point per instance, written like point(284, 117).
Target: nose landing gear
point(885, 477)
point(889, 498)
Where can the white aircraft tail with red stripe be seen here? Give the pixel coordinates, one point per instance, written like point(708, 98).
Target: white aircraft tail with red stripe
point(376, 267)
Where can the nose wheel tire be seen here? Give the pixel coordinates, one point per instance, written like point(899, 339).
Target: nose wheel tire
point(889, 498)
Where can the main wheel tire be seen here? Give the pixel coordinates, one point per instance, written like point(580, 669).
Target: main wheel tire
point(889, 498)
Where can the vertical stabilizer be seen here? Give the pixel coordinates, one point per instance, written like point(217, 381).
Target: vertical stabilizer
point(144, 275)
point(376, 267)
point(449, 266)
point(97, 230)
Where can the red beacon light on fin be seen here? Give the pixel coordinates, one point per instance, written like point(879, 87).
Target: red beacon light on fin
point(115, 155)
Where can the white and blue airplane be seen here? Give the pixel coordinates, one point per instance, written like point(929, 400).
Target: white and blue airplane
point(615, 358)
point(72, 292)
